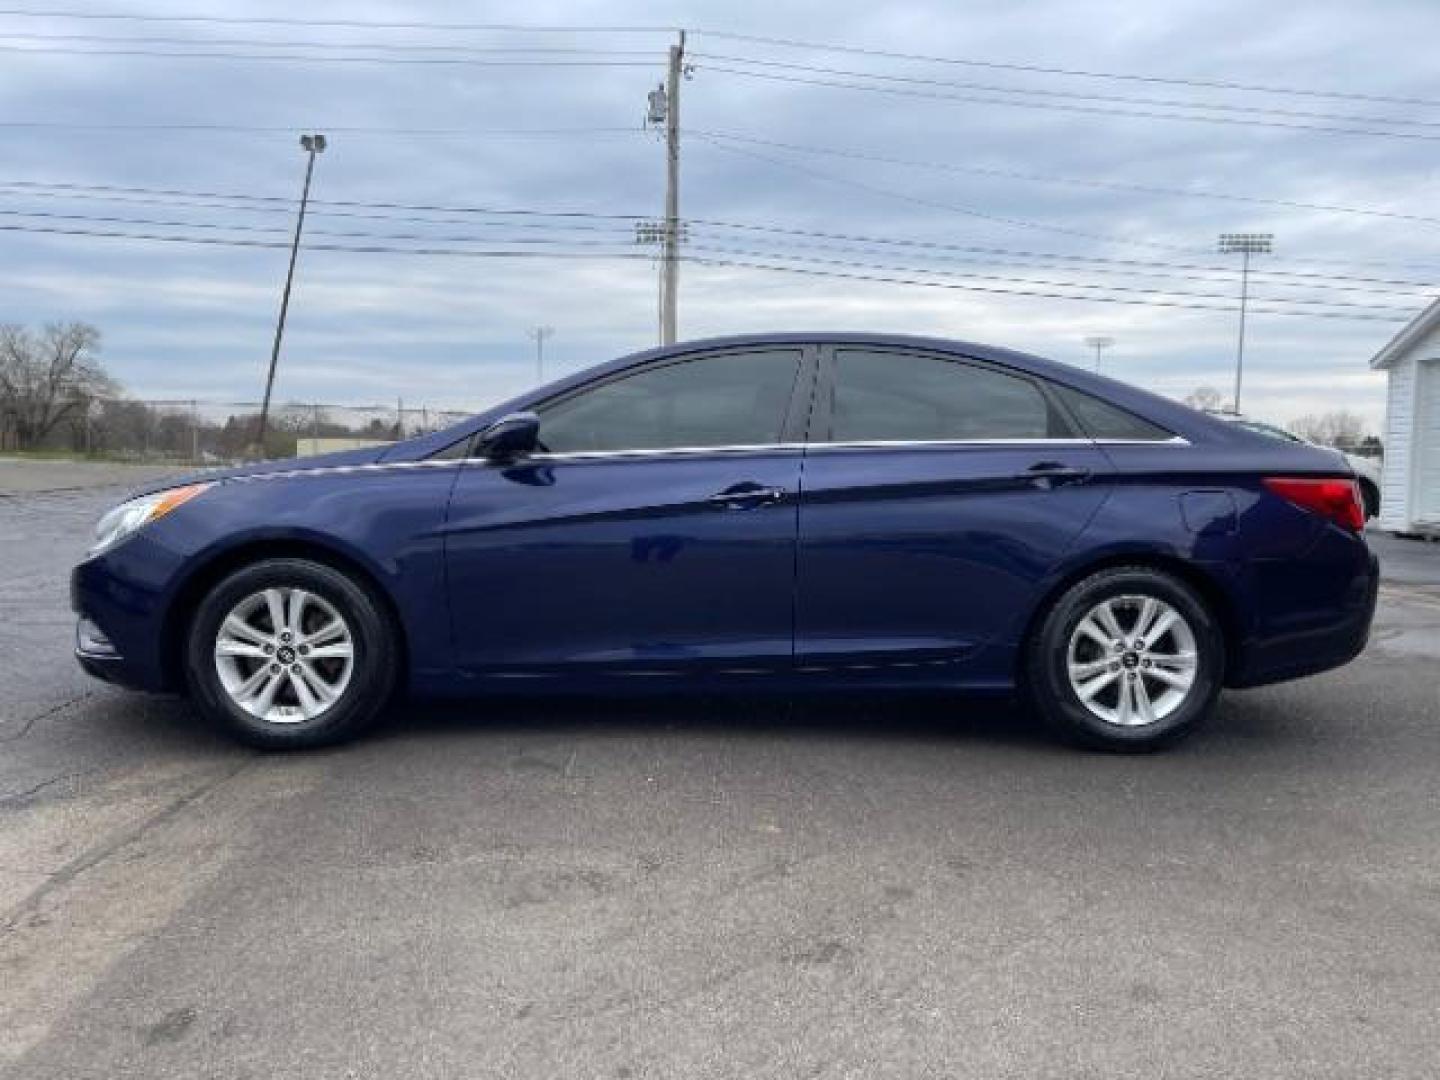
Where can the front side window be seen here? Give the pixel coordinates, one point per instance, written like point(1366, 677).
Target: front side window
point(723, 399)
point(904, 397)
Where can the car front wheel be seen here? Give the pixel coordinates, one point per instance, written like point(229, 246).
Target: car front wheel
point(1127, 659)
point(291, 653)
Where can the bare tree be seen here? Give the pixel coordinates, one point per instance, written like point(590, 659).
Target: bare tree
point(1205, 398)
point(49, 377)
point(1340, 428)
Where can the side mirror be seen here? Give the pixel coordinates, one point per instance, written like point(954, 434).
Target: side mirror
point(510, 438)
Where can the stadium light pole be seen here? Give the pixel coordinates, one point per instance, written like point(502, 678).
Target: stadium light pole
point(538, 334)
point(1244, 245)
point(312, 145)
point(1099, 342)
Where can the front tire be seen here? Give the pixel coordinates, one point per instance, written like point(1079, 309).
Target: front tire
point(1128, 659)
point(290, 653)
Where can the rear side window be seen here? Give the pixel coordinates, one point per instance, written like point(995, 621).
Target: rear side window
point(1101, 420)
point(903, 397)
point(724, 399)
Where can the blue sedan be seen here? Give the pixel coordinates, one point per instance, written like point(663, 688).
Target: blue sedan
point(801, 512)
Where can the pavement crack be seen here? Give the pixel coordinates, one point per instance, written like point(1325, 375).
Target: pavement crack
point(88, 860)
point(45, 715)
point(21, 796)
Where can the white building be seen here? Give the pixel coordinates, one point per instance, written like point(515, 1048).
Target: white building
point(1410, 500)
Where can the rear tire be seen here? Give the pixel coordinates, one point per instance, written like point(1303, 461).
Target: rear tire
point(1128, 659)
point(289, 653)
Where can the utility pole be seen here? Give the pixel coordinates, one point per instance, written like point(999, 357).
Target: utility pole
point(1099, 342)
point(1245, 244)
point(672, 191)
point(538, 334)
point(653, 232)
point(312, 145)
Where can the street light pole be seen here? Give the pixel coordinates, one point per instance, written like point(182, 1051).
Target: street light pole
point(312, 144)
point(1245, 245)
point(1099, 342)
point(538, 334)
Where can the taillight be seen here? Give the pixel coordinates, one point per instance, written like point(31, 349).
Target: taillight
point(1333, 498)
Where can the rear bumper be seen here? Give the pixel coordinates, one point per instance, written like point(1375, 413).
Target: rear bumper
point(1295, 642)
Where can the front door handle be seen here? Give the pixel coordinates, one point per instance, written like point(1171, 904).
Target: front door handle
point(1050, 474)
point(746, 495)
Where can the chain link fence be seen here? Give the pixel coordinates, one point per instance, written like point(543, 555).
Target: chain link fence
point(199, 431)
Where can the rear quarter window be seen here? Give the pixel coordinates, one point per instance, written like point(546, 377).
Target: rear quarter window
point(1101, 420)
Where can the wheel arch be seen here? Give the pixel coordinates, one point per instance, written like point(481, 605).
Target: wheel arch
point(182, 607)
point(1210, 591)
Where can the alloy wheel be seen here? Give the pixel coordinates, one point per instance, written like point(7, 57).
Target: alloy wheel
point(284, 655)
point(1132, 660)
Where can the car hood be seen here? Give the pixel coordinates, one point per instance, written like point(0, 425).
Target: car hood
point(363, 456)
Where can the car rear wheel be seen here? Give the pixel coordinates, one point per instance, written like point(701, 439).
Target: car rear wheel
point(1127, 659)
point(291, 653)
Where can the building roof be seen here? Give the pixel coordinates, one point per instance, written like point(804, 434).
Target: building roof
point(1414, 332)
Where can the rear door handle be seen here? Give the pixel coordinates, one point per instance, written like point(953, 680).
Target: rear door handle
point(1048, 474)
point(746, 495)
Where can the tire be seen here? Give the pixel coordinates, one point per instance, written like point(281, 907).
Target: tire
point(235, 655)
point(1117, 679)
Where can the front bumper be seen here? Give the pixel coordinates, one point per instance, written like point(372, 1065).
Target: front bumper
point(119, 601)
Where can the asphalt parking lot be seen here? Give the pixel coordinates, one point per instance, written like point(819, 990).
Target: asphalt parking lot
point(713, 888)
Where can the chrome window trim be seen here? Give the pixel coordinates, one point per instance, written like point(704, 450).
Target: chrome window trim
point(877, 444)
point(668, 451)
point(881, 444)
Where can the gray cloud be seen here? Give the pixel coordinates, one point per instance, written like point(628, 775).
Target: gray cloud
point(184, 321)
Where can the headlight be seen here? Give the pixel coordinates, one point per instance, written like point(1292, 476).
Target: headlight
point(126, 518)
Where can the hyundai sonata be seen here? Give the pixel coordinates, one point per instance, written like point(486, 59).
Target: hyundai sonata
point(790, 511)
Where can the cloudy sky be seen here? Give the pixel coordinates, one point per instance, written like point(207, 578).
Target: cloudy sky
point(999, 203)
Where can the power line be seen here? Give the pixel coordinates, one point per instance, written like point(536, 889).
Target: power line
point(754, 39)
point(621, 238)
point(1017, 222)
point(1177, 272)
point(172, 203)
point(1020, 223)
point(347, 129)
point(1169, 103)
point(1090, 110)
point(314, 58)
point(351, 24)
point(378, 46)
point(1081, 73)
point(1150, 298)
point(282, 204)
point(809, 272)
point(377, 249)
point(1107, 185)
point(1109, 289)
